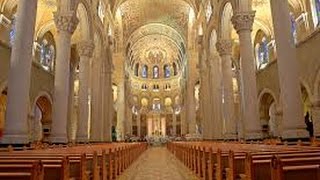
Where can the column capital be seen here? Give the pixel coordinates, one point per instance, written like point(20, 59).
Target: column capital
point(243, 20)
point(66, 22)
point(224, 47)
point(86, 48)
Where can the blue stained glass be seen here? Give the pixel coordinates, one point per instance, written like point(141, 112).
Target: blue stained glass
point(263, 53)
point(144, 71)
point(317, 2)
point(166, 71)
point(12, 32)
point(293, 27)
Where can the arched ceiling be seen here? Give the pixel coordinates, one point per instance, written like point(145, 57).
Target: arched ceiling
point(155, 49)
point(137, 13)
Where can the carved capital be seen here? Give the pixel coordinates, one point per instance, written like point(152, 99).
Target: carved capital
point(66, 22)
point(224, 47)
point(86, 49)
point(243, 20)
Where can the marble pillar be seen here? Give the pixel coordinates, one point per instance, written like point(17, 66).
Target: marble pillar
point(139, 124)
point(243, 22)
point(66, 23)
point(215, 95)
point(174, 124)
point(288, 70)
point(315, 116)
point(183, 117)
point(108, 104)
point(73, 106)
point(224, 48)
point(205, 99)
point(121, 112)
point(16, 124)
point(128, 120)
point(97, 74)
point(85, 50)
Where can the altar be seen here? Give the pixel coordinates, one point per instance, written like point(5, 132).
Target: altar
point(156, 125)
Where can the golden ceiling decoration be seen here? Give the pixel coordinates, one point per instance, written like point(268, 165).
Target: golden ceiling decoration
point(136, 13)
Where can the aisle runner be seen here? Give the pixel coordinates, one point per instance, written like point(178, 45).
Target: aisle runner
point(157, 163)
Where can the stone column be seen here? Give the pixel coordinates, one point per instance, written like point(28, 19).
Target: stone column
point(121, 112)
point(243, 22)
point(239, 106)
point(215, 95)
point(288, 69)
point(139, 124)
point(128, 123)
point(73, 106)
point(174, 124)
point(96, 100)
point(108, 103)
point(191, 112)
point(66, 24)
point(315, 116)
point(224, 48)
point(205, 99)
point(85, 50)
point(183, 117)
point(16, 125)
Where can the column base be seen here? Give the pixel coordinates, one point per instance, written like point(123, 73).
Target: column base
point(294, 133)
point(253, 135)
point(15, 139)
point(230, 136)
point(82, 139)
point(59, 139)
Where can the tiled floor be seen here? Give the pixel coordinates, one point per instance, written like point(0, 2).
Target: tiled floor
point(157, 163)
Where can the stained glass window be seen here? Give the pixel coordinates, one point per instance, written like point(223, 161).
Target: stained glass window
point(144, 72)
point(47, 55)
point(155, 72)
point(166, 71)
point(136, 69)
point(12, 32)
point(263, 53)
point(293, 27)
point(317, 3)
point(175, 72)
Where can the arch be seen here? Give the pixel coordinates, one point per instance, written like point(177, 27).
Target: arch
point(306, 97)
point(316, 85)
point(226, 14)
point(307, 87)
point(267, 91)
point(40, 125)
point(48, 26)
point(85, 21)
point(3, 108)
point(3, 86)
point(267, 111)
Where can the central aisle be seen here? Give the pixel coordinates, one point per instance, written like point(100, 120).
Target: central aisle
point(157, 163)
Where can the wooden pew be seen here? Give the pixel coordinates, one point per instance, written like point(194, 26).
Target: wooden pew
point(295, 168)
point(33, 171)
